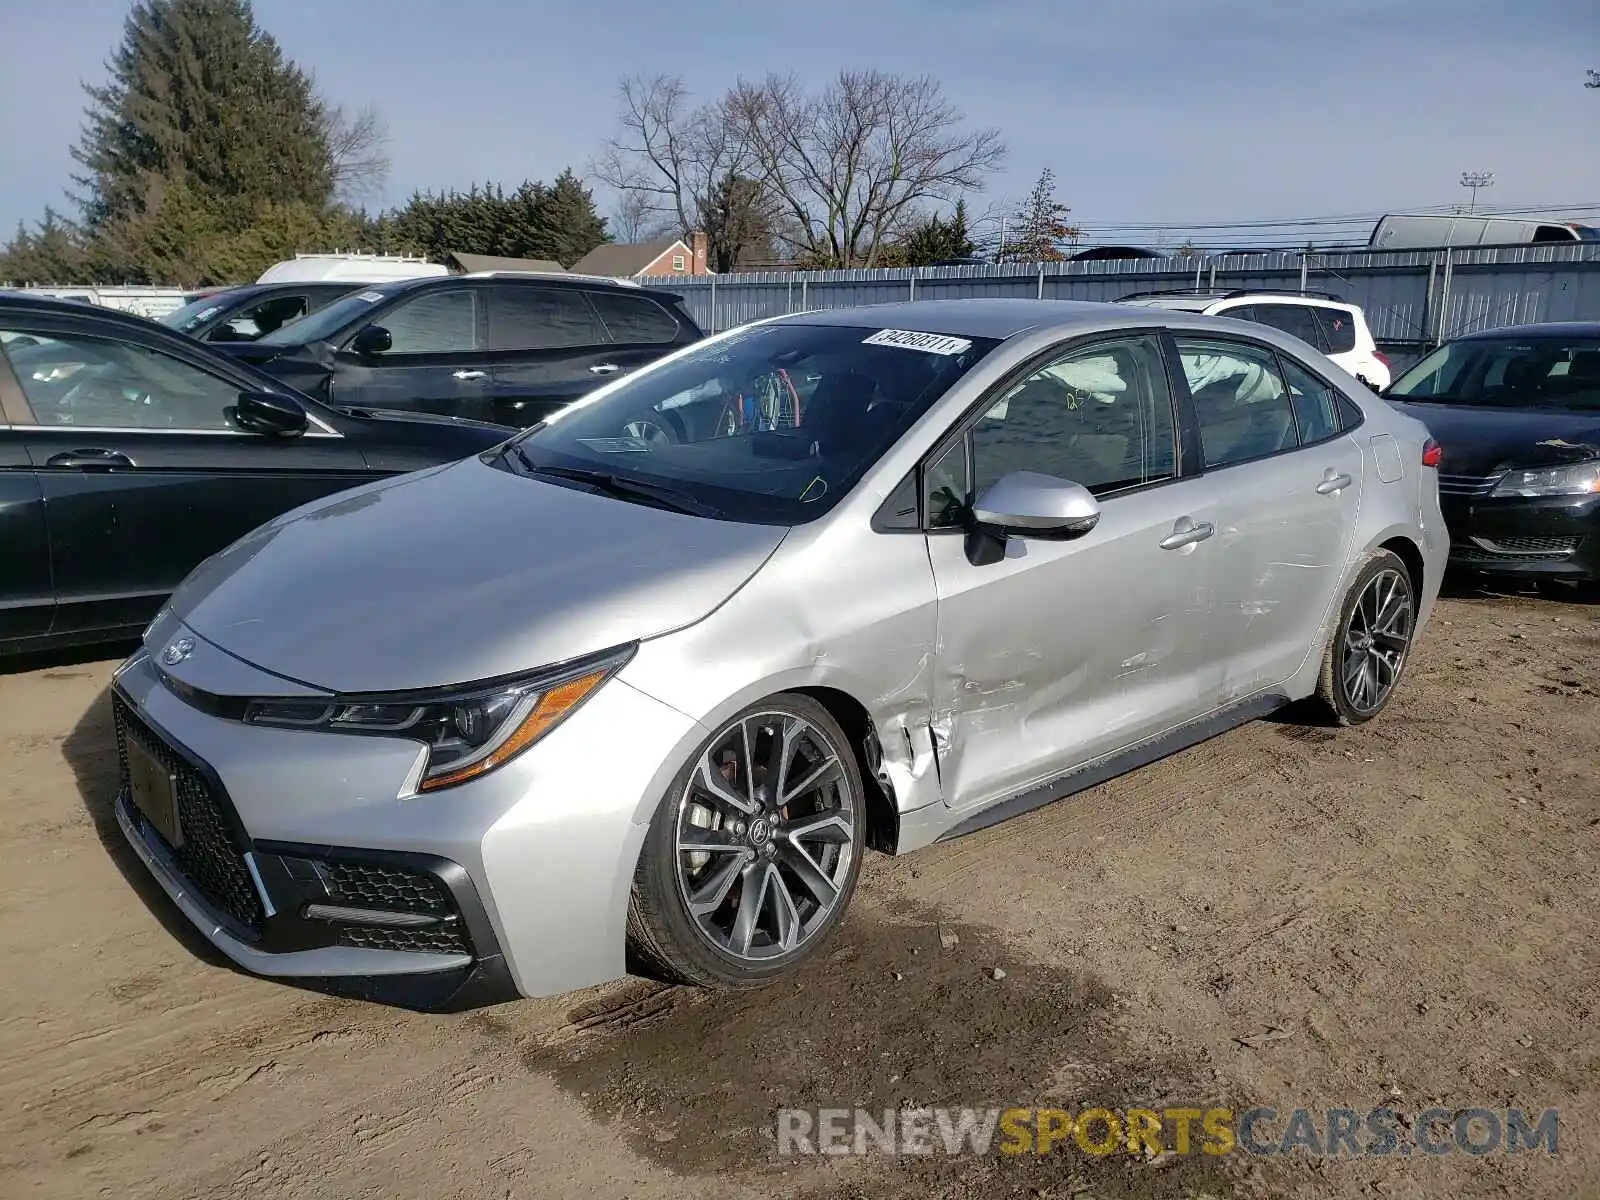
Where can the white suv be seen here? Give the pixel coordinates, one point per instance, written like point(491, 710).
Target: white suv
point(1322, 320)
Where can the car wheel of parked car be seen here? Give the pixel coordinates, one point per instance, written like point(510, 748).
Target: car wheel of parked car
point(752, 856)
point(1371, 641)
point(655, 433)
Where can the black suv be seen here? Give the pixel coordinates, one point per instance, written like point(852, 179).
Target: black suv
point(243, 314)
point(130, 453)
point(510, 348)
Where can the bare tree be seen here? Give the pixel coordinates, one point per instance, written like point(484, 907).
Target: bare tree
point(669, 152)
point(358, 148)
point(632, 216)
point(849, 166)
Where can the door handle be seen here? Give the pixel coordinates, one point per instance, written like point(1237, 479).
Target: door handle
point(604, 369)
point(1186, 533)
point(1332, 484)
point(468, 376)
point(89, 460)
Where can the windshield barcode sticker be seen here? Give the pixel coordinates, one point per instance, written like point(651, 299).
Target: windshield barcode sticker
point(909, 339)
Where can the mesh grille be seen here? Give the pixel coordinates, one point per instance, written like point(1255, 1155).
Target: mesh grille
point(393, 889)
point(208, 858)
point(1501, 549)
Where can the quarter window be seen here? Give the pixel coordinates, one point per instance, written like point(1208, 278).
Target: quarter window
point(1316, 408)
point(1100, 416)
point(637, 319)
point(1240, 400)
point(434, 323)
point(100, 383)
point(1338, 330)
point(535, 318)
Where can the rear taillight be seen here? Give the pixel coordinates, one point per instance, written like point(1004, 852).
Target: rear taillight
point(1432, 453)
point(1381, 357)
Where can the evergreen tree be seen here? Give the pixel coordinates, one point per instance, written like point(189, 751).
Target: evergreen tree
point(934, 239)
point(201, 96)
point(566, 222)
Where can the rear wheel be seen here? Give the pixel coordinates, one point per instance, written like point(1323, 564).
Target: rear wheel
point(752, 856)
point(1371, 642)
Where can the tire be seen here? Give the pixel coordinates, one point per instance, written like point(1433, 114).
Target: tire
point(1367, 654)
point(689, 912)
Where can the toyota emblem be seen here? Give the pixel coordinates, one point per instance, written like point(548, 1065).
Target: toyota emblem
point(177, 651)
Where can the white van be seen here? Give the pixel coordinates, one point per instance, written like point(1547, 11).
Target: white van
point(349, 268)
point(1428, 231)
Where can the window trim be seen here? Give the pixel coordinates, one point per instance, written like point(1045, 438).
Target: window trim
point(18, 410)
point(961, 427)
point(679, 262)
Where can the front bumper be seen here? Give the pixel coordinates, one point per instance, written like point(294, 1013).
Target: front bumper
point(514, 884)
point(1548, 536)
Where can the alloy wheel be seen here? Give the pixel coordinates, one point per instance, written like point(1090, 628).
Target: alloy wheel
point(766, 834)
point(1377, 636)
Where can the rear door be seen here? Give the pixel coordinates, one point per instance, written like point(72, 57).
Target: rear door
point(437, 361)
point(27, 599)
point(143, 474)
point(1288, 489)
point(550, 349)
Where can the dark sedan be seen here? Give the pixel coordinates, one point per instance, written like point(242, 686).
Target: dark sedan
point(243, 314)
point(1517, 412)
point(128, 454)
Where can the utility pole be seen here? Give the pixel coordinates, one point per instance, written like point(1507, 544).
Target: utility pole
point(1474, 180)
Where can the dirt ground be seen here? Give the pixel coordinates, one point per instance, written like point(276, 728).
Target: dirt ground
point(1412, 904)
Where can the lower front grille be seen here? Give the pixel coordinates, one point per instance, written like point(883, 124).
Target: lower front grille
point(209, 857)
point(1492, 549)
point(1468, 485)
point(393, 889)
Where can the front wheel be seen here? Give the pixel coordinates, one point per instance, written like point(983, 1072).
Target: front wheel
point(753, 855)
point(1371, 642)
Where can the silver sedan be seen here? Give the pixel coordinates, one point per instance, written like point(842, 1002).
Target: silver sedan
point(643, 684)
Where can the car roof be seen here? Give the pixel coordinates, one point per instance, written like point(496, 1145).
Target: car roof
point(1539, 329)
point(589, 283)
point(1005, 318)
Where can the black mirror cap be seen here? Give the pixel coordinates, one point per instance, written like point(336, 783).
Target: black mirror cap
point(270, 413)
point(374, 339)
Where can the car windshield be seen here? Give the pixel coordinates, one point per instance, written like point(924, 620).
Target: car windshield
point(772, 424)
point(195, 312)
point(1508, 372)
point(326, 322)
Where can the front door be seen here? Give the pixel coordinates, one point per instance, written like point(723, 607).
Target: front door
point(436, 361)
point(1288, 488)
point(1062, 652)
point(143, 475)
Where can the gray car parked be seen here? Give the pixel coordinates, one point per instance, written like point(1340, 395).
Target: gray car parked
point(645, 683)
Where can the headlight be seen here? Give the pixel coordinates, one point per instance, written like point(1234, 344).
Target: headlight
point(468, 732)
point(1573, 479)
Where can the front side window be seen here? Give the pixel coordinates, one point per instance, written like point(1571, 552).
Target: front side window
point(71, 380)
point(771, 424)
point(434, 323)
point(1508, 372)
point(534, 318)
point(1240, 400)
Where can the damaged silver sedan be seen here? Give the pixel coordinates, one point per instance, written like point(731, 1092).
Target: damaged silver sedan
point(641, 686)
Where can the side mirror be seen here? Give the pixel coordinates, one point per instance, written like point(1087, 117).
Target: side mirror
point(270, 413)
point(374, 339)
point(1028, 504)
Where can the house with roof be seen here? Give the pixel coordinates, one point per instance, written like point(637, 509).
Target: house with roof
point(474, 264)
point(669, 255)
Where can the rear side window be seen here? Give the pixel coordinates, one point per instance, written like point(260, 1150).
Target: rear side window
point(434, 323)
point(1240, 400)
point(535, 318)
point(1296, 319)
point(1338, 330)
point(634, 318)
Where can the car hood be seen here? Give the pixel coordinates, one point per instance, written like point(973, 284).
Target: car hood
point(1485, 441)
point(460, 573)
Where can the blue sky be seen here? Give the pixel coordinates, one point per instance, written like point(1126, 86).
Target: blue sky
point(1162, 111)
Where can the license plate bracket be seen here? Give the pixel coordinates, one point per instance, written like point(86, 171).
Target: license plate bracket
point(154, 793)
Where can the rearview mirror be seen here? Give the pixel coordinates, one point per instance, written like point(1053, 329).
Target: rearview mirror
point(270, 413)
point(1029, 504)
point(374, 339)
